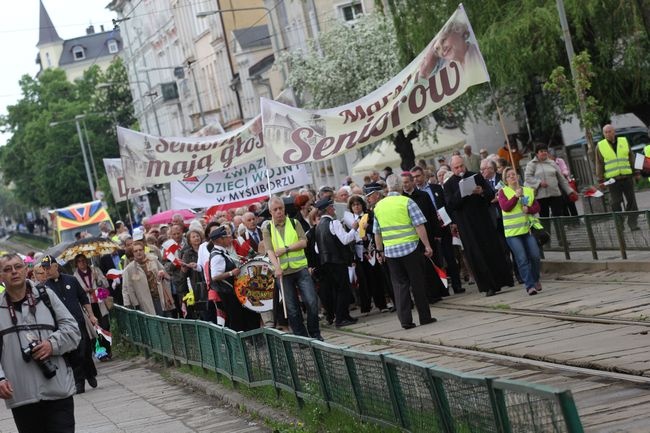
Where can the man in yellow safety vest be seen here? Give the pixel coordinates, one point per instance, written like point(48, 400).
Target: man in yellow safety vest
point(399, 226)
point(285, 243)
point(615, 164)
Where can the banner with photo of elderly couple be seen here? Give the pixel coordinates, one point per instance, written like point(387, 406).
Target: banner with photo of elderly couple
point(286, 135)
point(449, 65)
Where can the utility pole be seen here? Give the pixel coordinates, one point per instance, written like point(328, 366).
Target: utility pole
point(566, 33)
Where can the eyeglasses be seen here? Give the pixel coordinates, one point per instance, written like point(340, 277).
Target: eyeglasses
point(17, 267)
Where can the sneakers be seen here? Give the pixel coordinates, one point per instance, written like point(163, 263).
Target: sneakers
point(538, 286)
point(531, 291)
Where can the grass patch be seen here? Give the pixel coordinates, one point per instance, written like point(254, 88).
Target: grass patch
point(33, 241)
point(500, 306)
point(312, 416)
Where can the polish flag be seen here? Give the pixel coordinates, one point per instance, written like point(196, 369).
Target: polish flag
point(104, 333)
point(113, 274)
point(170, 248)
point(442, 274)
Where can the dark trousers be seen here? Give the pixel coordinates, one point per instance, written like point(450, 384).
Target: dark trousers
point(336, 290)
point(624, 188)
point(553, 204)
point(406, 272)
point(46, 416)
point(446, 250)
point(375, 284)
point(81, 360)
point(364, 291)
point(238, 318)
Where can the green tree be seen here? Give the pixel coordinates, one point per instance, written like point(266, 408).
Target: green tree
point(521, 42)
point(43, 162)
point(345, 63)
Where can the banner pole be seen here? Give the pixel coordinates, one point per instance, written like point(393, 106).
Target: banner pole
point(268, 182)
point(284, 301)
point(126, 187)
point(503, 127)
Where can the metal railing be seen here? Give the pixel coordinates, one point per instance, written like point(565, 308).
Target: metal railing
point(376, 387)
point(599, 232)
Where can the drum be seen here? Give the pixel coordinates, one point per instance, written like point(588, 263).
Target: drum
point(255, 284)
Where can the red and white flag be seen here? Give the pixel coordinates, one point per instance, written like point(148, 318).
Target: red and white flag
point(113, 274)
point(104, 333)
point(170, 248)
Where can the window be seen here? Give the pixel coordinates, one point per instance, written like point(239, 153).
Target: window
point(78, 53)
point(352, 11)
point(112, 46)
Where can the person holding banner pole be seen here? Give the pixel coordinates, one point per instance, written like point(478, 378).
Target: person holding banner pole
point(285, 243)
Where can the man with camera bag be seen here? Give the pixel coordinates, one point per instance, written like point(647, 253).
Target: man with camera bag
point(36, 329)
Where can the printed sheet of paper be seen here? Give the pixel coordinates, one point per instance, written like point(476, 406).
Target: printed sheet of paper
point(444, 216)
point(467, 186)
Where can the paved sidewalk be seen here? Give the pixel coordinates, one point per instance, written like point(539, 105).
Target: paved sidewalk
point(131, 398)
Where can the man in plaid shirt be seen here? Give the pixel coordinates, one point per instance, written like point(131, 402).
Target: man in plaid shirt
point(398, 227)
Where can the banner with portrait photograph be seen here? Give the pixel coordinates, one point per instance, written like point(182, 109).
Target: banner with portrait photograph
point(449, 65)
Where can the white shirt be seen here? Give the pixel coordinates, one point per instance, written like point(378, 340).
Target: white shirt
point(336, 228)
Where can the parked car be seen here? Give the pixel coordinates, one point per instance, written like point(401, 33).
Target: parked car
point(637, 136)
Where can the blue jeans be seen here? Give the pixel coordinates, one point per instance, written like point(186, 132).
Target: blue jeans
point(527, 255)
point(301, 281)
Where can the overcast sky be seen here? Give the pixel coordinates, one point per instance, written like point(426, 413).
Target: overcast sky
point(19, 35)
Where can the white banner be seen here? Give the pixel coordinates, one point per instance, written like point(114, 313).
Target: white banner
point(449, 65)
point(150, 160)
point(247, 181)
point(119, 187)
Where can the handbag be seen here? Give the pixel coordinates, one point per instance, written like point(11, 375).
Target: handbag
point(541, 236)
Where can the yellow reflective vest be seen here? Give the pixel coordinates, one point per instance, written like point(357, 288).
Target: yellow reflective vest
point(646, 151)
point(515, 221)
point(293, 259)
point(616, 163)
point(394, 220)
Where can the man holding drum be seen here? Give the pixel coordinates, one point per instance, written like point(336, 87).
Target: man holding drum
point(285, 243)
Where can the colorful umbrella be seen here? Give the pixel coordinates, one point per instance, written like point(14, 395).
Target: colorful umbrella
point(166, 216)
point(89, 247)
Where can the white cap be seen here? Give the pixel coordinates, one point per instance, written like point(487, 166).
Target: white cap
point(138, 234)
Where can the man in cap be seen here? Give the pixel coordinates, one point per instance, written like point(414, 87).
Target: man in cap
point(335, 256)
point(285, 242)
point(70, 292)
point(399, 228)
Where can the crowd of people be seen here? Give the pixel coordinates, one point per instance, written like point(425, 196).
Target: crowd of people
point(395, 243)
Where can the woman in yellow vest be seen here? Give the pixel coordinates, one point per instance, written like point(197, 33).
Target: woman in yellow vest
point(518, 207)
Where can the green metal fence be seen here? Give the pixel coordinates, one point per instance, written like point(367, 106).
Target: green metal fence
point(599, 232)
point(377, 387)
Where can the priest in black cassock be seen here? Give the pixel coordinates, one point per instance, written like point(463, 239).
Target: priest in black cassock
point(481, 244)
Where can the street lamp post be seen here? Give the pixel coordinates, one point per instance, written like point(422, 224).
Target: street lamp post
point(232, 69)
point(76, 120)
